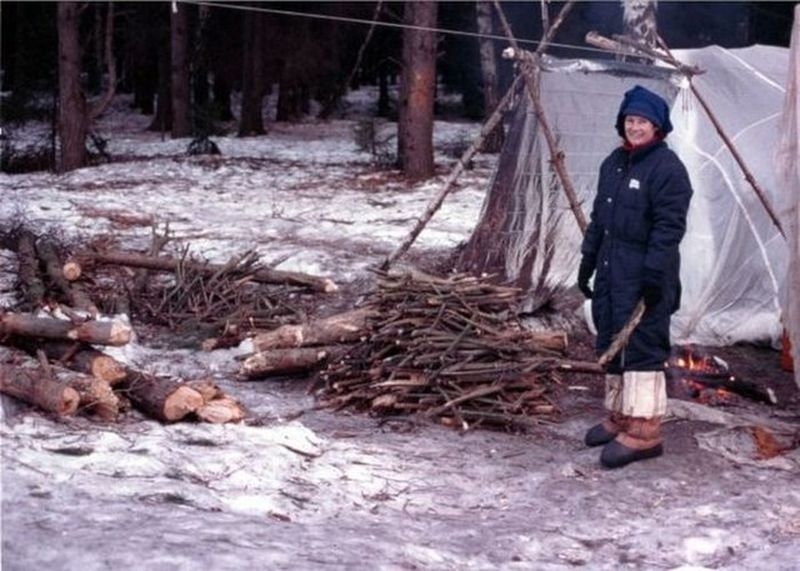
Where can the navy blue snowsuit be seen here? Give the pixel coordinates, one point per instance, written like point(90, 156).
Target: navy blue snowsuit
point(638, 220)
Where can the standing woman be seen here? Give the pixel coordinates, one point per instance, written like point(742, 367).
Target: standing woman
point(631, 245)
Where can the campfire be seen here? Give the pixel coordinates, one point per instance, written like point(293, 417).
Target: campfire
point(694, 374)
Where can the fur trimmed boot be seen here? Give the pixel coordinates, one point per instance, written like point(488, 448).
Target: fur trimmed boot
point(644, 403)
point(615, 423)
point(640, 441)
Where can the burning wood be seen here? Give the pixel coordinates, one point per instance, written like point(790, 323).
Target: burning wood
point(692, 374)
point(448, 348)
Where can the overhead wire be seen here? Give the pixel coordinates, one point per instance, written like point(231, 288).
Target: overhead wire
point(396, 25)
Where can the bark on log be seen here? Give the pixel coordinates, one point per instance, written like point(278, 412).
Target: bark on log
point(78, 298)
point(77, 356)
point(161, 398)
point(284, 361)
point(28, 270)
point(24, 378)
point(261, 275)
point(340, 328)
point(95, 332)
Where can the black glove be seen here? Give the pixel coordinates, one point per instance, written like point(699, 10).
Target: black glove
point(585, 271)
point(651, 289)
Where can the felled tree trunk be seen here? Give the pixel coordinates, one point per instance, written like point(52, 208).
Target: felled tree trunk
point(96, 395)
point(284, 361)
point(55, 271)
point(217, 407)
point(99, 332)
point(24, 378)
point(161, 398)
point(341, 328)
point(28, 270)
point(77, 356)
point(261, 275)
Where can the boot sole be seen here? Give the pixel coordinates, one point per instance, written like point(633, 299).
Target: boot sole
point(616, 455)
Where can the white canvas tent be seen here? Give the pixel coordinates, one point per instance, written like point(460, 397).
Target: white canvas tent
point(734, 258)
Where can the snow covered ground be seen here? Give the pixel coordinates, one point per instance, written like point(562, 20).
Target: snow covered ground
point(298, 488)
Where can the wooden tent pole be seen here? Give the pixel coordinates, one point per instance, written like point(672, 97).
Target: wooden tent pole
point(728, 143)
point(438, 199)
point(529, 73)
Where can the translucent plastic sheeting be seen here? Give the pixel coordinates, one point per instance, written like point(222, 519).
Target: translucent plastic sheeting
point(734, 259)
point(787, 166)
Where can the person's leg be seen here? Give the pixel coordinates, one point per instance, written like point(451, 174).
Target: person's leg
point(605, 431)
point(644, 403)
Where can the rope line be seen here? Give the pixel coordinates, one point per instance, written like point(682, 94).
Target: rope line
point(397, 25)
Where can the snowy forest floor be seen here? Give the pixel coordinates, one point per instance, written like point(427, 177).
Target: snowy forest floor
point(295, 487)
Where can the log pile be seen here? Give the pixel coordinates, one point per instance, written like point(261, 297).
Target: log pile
point(48, 358)
point(450, 349)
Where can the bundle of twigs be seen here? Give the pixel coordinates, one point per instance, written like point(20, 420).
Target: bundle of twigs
point(225, 298)
point(448, 348)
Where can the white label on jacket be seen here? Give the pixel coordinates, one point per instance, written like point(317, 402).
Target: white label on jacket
point(634, 184)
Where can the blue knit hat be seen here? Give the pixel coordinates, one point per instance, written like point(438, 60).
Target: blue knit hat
point(644, 103)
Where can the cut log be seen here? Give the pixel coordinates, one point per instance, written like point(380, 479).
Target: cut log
point(77, 356)
point(284, 361)
point(261, 275)
point(71, 270)
point(161, 398)
point(96, 332)
point(78, 298)
point(207, 389)
point(96, 396)
point(24, 378)
point(221, 410)
point(340, 328)
point(28, 270)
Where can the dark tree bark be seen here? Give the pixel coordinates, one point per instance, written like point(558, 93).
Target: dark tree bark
point(222, 98)
point(417, 91)
point(251, 122)
point(162, 120)
point(494, 141)
point(72, 121)
point(179, 40)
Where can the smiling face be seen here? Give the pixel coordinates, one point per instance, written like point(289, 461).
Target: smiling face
point(638, 130)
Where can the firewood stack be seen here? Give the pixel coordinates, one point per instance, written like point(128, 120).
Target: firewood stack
point(48, 357)
point(448, 348)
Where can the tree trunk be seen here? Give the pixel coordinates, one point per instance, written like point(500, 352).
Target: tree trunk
point(80, 357)
point(494, 141)
point(25, 379)
point(161, 398)
point(96, 332)
point(162, 120)
point(261, 275)
point(77, 297)
point(72, 122)
point(340, 328)
point(284, 361)
point(417, 91)
point(28, 273)
point(179, 74)
point(251, 122)
point(222, 99)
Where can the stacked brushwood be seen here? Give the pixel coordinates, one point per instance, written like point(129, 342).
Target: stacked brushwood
point(448, 348)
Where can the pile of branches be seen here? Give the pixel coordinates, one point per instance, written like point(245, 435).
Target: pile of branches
point(449, 348)
point(219, 303)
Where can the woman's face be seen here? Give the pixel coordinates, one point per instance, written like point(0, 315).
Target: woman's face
point(638, 130)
